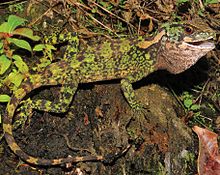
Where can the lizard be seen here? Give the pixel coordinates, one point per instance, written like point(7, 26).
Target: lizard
point(175, 48)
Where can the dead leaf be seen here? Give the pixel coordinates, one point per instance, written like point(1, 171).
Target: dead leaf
point(86, 119)
point(127, 16)
point(145, 44)
point(209, 158)
point(98, 111)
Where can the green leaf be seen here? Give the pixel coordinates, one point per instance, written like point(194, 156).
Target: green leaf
point(20, 64)
point(39, 47)
point(198, 114)
point(178, 2)
point(15, 78)
point(1, 44)
point(4, 98)
point(50, 47)
point(26, 32)
point(188, 103)
point(195, 107)
point(20, 43)
point(5, 27)
point(13, 22)
point(1, 47)
point(4, 64)
point(211, 1)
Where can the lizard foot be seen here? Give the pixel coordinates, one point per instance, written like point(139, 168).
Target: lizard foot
point(141, 109)
point(141, 113)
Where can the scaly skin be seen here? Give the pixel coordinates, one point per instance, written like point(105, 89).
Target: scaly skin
point(127, 59)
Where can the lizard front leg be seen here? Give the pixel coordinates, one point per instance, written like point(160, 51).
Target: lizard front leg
point(140, 110)
point(128, 91)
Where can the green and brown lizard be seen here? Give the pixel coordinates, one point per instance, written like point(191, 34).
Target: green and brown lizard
point(175, 47)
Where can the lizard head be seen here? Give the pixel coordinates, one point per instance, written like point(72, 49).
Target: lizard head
point(183, 44)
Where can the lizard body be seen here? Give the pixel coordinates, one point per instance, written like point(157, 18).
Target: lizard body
point(175, 48)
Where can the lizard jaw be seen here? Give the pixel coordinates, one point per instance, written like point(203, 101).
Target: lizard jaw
point(200, 44)
point(203, 45)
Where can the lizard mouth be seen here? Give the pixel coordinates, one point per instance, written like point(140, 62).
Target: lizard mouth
point(203, 45)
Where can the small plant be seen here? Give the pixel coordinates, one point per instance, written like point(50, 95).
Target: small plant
point(192, 109)
point(17, 7)
point(12, 67)
point(188, 102)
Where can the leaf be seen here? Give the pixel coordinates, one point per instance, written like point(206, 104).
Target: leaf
point(211, 1)
point(26, 32)
point(145, 44)
point(5, 27)
point(4, 64)
point(209, 158)
point(1, 44)
point(195, 107)
point(50, 47)
point(4, 98)
point(20, 43)
point(188, 103)
point(181, 1)
point(15, 78)
point(1, 47)
point(39, 47)
point(13, 22)
point(20, 64)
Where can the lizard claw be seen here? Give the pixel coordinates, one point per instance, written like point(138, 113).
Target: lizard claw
point(141, 109)
point(141, 113)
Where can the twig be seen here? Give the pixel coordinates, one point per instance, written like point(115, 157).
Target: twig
point(112, 13)
point(199, 98)
point(201, 5)
point(79, 6)
point(12, 2)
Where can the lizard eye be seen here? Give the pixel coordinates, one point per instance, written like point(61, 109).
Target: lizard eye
point(188, 30)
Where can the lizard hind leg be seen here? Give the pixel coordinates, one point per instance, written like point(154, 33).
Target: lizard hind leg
point(25, 113)
point(60, 105)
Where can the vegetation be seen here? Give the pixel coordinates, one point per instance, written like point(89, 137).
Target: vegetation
point(12, 67)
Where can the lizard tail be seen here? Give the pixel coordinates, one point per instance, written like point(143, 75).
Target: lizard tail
point(7, 127)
